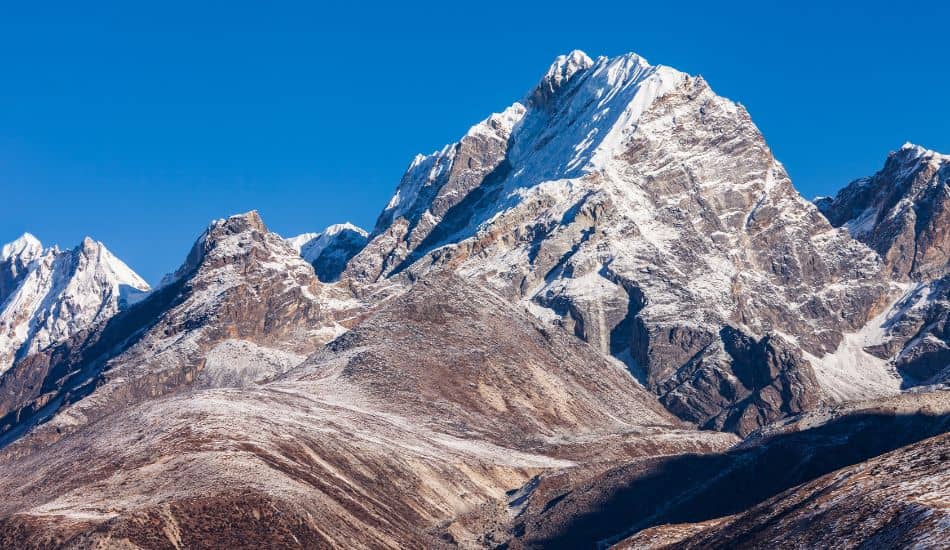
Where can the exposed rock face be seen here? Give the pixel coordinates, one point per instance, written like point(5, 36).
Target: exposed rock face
point(764, 380)
point(632, 205)
point(239, 282)
point(915, 334)
point(903, 212)
point(329, 251)
point(434, 186)
point(47, 296)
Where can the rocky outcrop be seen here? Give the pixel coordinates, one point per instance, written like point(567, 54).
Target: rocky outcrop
point(435, 186)
point(915, 334)
point(745, 384)
point(903, 212)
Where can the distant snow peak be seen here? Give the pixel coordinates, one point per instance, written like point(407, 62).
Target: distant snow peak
point(298, 242)
point(330, 250)
point(25, 245)
point(48, 295)
point(238, 223)
point(338, 228)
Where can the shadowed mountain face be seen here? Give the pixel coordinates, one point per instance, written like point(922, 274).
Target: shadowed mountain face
point(890, 501)
point(696, 488)
point(885, 502)
point(555, 336)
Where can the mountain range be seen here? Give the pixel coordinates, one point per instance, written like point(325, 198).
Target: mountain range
point(602, 317)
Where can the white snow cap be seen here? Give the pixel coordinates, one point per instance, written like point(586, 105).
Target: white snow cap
point(917, 151)
point(25, 243)
point(61, 293)
point(311, 245)
point(561, 71)
point(340, 227)
point(115, 268)
point(565, 66)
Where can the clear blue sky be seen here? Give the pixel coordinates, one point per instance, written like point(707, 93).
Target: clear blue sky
point(137, 125)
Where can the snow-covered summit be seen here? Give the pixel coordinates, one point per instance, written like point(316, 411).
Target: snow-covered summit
point(633, 205)
point(561, 71)
point(912, 150)
point(901, 212)
point(330, 250)
point(49, 295)
point(25, 245)
point(15, 259)
point(572, 124)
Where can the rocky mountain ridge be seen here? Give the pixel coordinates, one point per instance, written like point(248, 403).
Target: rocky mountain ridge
point(240, 286)
point(903, 212)
point(633, 206)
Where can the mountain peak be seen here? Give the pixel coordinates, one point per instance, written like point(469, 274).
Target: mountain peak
point(560, 72)
point(50, 295)
point(568, 64)
point(224, 238)
point(24, 243)
point(911, 151)
point(90, 245)
point(238, 223)
point(330, 250)
point(338, 228)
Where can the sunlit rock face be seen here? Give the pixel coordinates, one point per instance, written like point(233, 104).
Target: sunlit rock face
point(632, 205)
point(903, 213)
